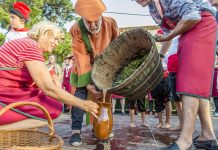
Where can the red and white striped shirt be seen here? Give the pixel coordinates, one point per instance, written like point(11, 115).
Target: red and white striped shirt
point(14, 53)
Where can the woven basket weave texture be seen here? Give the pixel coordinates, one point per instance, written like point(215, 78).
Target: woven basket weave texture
point(29, 139)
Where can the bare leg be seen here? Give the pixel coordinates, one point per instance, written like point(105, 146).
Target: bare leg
point(207, 132)
point(122, 101)
point(131, 114)
point(168, 108)
point(160, 115)
point(114, 103)
point(24, 124)
point(143, 119)
point(179, 112)
point(190, 108)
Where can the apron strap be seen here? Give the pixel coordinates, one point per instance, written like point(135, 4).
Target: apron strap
point(86, 41)
point(9, 68)
point(85, 36)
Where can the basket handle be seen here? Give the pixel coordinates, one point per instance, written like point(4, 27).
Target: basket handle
point(47, 115)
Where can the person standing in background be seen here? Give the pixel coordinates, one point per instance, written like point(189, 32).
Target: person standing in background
point(140, 104)
point(151, 101)
point(161, 94)
point(122, 102)
point(19, 16)
point(172, 67)
point(66, 77)
point(53, 67)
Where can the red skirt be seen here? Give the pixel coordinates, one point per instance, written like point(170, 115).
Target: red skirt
point(196, 55)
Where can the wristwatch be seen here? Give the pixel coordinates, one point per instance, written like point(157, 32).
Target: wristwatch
point(162, 56)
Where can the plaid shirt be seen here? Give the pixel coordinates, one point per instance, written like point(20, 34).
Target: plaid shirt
point(175, 10)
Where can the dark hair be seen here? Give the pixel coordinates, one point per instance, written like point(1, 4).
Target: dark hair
point(17, 13)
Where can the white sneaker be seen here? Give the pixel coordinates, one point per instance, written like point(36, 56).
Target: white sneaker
point(75, 139)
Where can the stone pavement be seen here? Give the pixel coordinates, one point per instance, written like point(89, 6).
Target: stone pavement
point(125, 138)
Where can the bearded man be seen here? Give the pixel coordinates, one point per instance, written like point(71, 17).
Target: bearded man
point(90, 36)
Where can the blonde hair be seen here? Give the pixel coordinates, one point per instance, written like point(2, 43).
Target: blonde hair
point(44, 28)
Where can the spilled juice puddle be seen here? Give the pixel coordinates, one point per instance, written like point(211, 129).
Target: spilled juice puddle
point(163, 138)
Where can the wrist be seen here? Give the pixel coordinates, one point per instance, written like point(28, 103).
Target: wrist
point(172, 34)
point(80, 103)
point(89, 87)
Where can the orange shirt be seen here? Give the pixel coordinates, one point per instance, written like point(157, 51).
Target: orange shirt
point(99, 41)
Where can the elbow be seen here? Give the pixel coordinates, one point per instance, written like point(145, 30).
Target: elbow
point(49, 90)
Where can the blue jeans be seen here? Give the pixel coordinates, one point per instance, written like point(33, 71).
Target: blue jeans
point(77, 113)
point(215, 99)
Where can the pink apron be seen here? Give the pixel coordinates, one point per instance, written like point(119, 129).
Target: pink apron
point(17, 85)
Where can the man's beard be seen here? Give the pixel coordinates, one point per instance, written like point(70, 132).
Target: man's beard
point(94, 31)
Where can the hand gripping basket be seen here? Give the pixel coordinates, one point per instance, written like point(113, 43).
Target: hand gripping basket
point(128, 44)
point(28, 139)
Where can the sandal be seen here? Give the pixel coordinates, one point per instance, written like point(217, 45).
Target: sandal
point(195, 139)
point(206, 144)
point(144, 125)
point(175, 146)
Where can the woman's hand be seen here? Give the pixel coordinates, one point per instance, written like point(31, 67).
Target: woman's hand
point(96, 95)
point(44, 81)
point(90, 106)
point(181, 27)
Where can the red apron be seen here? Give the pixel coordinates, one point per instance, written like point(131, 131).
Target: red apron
point(66, 79)
point(196, 52)
point(17, 85)
point(196, 55)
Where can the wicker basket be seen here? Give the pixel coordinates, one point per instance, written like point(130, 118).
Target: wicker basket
point(28, 139)
point(144, 79)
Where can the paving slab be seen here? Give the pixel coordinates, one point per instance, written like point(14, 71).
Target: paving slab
point(125, 137)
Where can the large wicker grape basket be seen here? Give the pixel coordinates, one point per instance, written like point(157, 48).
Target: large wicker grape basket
point(128, 44)
point(29, 139)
